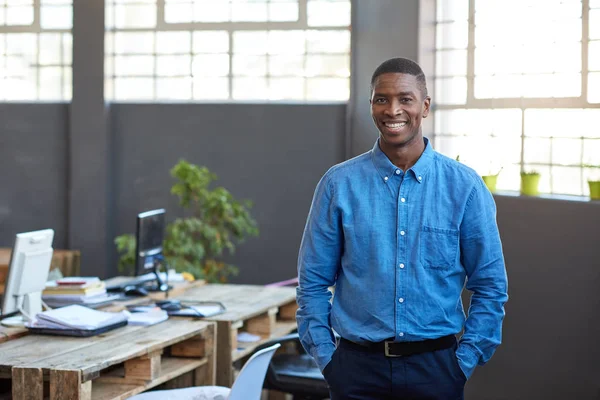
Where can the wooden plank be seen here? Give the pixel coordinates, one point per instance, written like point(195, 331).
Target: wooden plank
point(198, 346)
point(242, 301)
point(68, 385)
point(288, 311)
point(27, 383)
point(98, 355)
point(262, 324)
point(110, 388)
point(282, 328)
point(146, 367)
point(224, 353)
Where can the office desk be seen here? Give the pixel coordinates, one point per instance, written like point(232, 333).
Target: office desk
point(114, 365)
point(269, 312)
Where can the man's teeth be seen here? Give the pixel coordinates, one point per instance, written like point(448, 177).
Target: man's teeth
point(398, 125)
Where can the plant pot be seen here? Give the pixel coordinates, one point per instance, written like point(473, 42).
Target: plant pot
point(594, 190)
point(529, 184)
point(490, 182)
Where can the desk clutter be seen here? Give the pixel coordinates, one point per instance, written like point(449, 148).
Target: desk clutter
point(88, 291)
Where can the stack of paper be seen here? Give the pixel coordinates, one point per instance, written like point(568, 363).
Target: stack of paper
point(154, 316)
point(89, 291)
point(76, 317)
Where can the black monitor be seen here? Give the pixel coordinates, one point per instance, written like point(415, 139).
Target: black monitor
point(149, 235)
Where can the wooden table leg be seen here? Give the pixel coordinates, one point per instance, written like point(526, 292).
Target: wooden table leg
point(226, 340)
point(67, 385)
point(27, 383)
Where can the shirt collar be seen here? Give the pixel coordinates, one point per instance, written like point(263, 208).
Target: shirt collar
point(386, 168)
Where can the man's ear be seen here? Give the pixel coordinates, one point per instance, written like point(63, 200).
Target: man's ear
point(426, 105)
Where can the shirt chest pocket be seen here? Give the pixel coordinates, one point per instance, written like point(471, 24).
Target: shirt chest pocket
point(438, 247)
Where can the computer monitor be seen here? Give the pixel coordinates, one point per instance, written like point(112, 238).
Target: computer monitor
point(150, 233)
point(27, 274)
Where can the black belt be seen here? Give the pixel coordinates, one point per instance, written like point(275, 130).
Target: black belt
point(400, 349)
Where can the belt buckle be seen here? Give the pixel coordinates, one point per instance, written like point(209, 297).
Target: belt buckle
point(387, 349)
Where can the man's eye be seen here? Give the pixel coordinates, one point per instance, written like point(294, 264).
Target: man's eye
point(380, 101)
point(406, 100)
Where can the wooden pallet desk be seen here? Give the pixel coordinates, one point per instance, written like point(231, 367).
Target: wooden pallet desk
point(269, 312)
point(114, 365)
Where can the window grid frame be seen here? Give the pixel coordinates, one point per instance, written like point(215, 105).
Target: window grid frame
point(36, 29)
point(230, 27)
point(521, 103)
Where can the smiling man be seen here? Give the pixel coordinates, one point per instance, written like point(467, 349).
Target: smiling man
point(398, 230)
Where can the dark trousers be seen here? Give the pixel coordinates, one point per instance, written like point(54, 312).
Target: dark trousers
point(363, 375)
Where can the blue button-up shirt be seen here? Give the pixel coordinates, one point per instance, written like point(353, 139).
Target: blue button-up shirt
point(398, 247)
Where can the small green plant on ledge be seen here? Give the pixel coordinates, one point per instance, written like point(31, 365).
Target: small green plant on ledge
point(530, 181)
point(214, 222)
point(593, 181)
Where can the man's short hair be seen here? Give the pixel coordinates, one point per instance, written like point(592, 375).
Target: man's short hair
point(401, 66)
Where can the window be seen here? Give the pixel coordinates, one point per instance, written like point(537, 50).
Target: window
point(35, 50)
point(517, 87)
point(268, 50)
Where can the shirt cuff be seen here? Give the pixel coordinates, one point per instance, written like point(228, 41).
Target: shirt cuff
point(467, 359)
point(322, 354)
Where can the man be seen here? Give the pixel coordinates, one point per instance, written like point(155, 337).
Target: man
point(397, 230)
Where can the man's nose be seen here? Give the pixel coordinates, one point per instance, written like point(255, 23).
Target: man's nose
point(393, 108)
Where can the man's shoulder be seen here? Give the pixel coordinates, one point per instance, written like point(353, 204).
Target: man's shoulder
point(350, 166)
point(455, 168)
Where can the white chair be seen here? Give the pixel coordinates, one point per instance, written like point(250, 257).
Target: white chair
point(247, 386)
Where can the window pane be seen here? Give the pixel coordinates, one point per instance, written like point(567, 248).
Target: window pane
point(283, 11)
point(566, 180)
point(452, 35)
point(566, 151)
point(173, 66)
point(134, 65)
point(210, 65)
point(244, 10)
point(211, 88)
point(286, 65)
point(179, 13)
point(286, 88)
point(327, 89)
point(328, 41)
point(452, 10)
point(537, 150)
point(245, 42)
point(249, 65)
point(324, 65)
point(134, 88)
point(451, 62)
point(451, 90)
point(286, 42)
point(135, 16)
point(509, 178)
point(19, 15)
point(594, 56)
point(50, 49)
point(56, 17)
point(173, 42)
point(174, 88)
point(591, 152)
point(328, 13)
point(67, 50)
point(250, 88)
point(18, 89)
point(211, 11)
point(134, 42)
point(594, 24)
point(574, 123)
point(50, 85)
point(594, 87)
point(211, 42)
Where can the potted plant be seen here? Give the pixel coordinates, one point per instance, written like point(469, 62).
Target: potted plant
point(594, 182)
point(530, 181)
point(195, 243)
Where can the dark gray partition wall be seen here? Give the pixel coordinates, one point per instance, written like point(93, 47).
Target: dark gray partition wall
point(33, 170)
point(272, 154)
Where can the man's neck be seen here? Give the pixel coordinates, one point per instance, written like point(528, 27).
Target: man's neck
point(404, 156)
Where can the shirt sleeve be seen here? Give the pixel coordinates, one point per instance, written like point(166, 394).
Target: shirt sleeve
point(318, 263)
point(482, 258)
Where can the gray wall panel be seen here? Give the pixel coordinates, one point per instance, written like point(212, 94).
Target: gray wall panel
point(33, 169)
point(272, 154)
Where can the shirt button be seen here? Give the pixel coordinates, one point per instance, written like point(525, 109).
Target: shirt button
point(401, 265)
point(401, 334)
point(385, 179)
point(397, 172)
point(401, 300)
point(402, 233)
point(403, 200)
point(420, 178)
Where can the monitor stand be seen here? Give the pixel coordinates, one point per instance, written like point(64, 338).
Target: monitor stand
point(31, 305)
point(160, 285)
point(17, 321)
